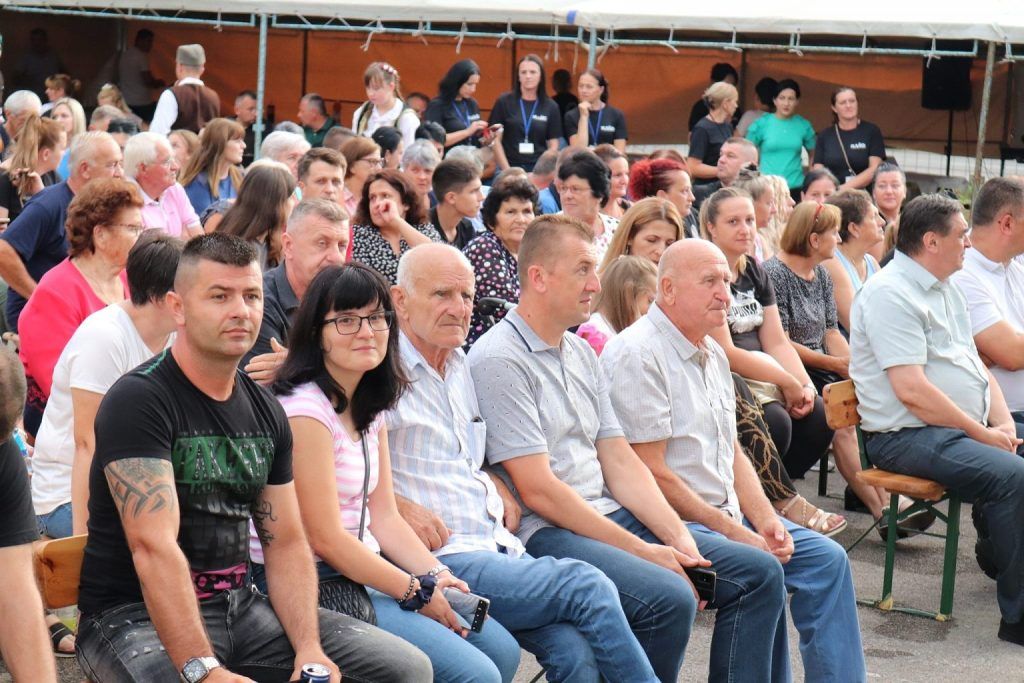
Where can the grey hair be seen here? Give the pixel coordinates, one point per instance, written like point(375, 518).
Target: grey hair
point(405, 278)
point(323, 208)
point(141, 149)
point(22, 101)
point(421, 153)
point(469, 154)
point(288, 127)
point(280, 142)
point(84, 147)
point(105, 112)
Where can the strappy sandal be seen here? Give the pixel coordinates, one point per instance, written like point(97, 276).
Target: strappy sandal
point(58, 632)
point(799, 511)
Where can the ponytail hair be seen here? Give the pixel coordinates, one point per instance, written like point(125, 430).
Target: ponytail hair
point(36, 134)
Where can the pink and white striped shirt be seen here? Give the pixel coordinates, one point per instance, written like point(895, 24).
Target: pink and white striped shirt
point(308, 400)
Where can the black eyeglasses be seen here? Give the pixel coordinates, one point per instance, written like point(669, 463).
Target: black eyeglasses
point(350, 324)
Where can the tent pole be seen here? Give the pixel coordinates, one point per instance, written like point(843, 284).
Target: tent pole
point(261, 78)
point(592, 52)
point(986, 95)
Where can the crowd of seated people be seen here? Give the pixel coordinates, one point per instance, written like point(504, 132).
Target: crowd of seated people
point(296, 404)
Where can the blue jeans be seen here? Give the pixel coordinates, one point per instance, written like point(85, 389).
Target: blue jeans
point(981, 474)
point(486, 657)
point(659, 604)
point(56, 523)
point(120, 645)
point(565, 612)
point(823, 607)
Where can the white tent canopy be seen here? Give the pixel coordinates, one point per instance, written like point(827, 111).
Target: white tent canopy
point(999, 21)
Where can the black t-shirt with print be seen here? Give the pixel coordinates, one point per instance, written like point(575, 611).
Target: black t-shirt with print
point(454, 116)
point(751, 293)
point(860, 144)
point(610, 121)
point(545, 124)
point(223, 454)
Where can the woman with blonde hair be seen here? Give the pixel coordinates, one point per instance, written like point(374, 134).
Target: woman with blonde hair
point(214, 172)
point(711, 131)
point(784, 204)
point(646, 230)
point(762, 191)
point(38, 149)
point(628, 286)
point(384, 105)
point(184, 144)
point(69, 113)
point(111, 95)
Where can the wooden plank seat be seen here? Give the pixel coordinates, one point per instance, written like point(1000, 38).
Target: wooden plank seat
point(903, 484)
point(58, 565)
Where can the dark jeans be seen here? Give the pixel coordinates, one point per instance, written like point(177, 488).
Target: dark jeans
point(981, 474)
point(120, 645)
point(801, 443)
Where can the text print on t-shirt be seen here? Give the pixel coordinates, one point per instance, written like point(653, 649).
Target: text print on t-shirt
point(745, 313)
point(206, 464)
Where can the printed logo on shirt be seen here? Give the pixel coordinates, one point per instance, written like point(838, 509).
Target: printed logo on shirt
point(745, 313)
point(858, 145)
point(209, 463)
point(540, 117)
point(608, 129)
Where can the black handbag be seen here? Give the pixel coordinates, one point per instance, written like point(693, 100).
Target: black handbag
point(340, 593)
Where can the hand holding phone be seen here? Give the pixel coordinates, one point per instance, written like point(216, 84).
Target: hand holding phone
point(470, 607)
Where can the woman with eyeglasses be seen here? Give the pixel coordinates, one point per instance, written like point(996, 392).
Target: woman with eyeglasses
point(104, 221)
point(363, 158)
point(782, 136)
point(389, 222)
point(342, 374)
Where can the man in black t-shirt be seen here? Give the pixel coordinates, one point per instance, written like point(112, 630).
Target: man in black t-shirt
point(188, 451)
point(27, 652)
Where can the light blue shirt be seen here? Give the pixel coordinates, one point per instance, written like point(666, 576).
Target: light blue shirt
point(437, 437)
point(904, 315)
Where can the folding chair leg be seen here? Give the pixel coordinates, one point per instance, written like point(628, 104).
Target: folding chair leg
point(949, 558)
point(823, 475)
point(892, 516)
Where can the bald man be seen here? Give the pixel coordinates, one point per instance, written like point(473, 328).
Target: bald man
point(564, 611)
point(672, 390)
point(316, 237)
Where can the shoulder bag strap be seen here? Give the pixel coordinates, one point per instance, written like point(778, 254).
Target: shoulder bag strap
point(366, 486)
point(843, 150)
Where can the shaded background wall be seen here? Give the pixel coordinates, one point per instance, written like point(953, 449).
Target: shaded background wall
point(654, 86)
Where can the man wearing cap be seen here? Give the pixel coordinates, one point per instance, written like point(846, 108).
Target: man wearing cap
point(189, 104)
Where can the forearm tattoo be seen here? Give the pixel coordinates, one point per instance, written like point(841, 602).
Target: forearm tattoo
point(141, 485)
point(262, 512)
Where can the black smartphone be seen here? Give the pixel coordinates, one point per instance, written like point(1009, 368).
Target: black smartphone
point(470, 607)
point(704, 581)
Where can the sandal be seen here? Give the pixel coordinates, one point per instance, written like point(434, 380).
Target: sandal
point(815, 519)
point(58, 632)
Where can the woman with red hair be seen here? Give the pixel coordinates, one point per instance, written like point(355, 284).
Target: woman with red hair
point(667, 179)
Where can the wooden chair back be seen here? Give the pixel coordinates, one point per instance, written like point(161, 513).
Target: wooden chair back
point(841, 404)
point(58, 565)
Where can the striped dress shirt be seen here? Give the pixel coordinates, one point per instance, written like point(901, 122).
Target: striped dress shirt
point(437, 443)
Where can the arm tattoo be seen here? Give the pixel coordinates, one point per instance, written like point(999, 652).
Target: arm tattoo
point(141, 485)
point(262, 512)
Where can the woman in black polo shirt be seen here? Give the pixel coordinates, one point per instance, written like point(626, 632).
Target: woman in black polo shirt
point(454, 107)
point(852, 149)
point(594, 122)
point(531, 120)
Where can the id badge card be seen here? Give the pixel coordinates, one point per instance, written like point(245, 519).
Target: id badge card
point(848, 179)
point(526, 148)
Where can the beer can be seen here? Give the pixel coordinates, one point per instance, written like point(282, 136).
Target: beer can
point(315, 673)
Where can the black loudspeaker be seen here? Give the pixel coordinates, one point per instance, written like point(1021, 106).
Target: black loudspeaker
point(946, 84)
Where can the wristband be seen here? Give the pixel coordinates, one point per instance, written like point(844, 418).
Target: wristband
point(416, 599)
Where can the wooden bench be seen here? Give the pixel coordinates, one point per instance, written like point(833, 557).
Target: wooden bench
point(841, 411)
point(58, 566)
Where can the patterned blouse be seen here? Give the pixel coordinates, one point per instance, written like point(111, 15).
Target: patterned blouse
point(371, 249)
point(497, 276)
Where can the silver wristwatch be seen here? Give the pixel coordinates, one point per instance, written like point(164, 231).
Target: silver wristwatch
point(198, 668)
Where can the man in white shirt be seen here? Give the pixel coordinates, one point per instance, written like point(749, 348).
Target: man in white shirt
point(107, 344)
point(135, 78)
point(992, 281)
point(189, 103)
point(672, 390)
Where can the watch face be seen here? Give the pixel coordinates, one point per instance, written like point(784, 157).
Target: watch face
point(194, 670)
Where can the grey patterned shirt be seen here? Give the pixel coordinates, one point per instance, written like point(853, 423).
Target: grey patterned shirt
point(537, 398)
point(807, 307)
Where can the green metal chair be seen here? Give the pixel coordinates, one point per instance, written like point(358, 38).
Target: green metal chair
point(841, 411)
